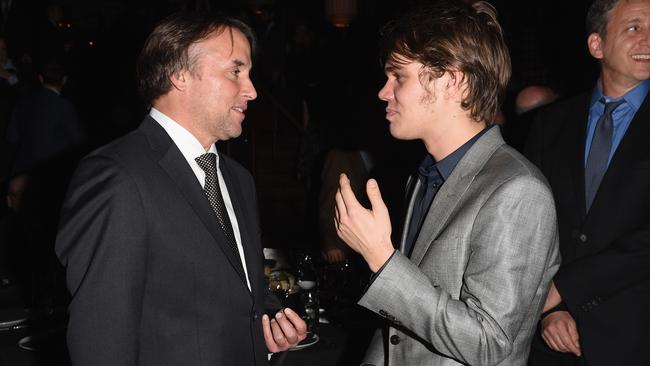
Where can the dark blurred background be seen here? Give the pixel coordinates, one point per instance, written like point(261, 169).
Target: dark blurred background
point(317, 73)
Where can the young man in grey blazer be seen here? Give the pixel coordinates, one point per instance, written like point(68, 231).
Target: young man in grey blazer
point(479, 246)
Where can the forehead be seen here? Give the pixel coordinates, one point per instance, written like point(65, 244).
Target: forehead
point(227, 44)
point(629, 11)
point(400, 62)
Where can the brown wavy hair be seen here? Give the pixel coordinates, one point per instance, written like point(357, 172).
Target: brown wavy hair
point(452, 36)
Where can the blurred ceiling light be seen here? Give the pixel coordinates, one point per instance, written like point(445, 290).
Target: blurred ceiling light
point(341, 12)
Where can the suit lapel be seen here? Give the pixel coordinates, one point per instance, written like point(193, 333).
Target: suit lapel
point(451, 192)
point(247, 227)
point(413, 186)
point(577, 123)
point(176, 167)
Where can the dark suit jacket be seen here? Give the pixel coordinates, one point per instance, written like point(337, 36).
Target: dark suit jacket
point(152, 279)
point(43, 126)
point(605, 274)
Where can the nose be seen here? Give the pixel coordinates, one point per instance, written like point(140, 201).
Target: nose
point(248, 90)
point(386, 92)
point(645, 37)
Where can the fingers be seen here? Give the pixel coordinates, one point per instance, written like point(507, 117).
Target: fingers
point(268, 335)
point(560, 333)
point(297, 322)
point(347, 195)
point(550, 342)
point(572, 330)
point(284, 331)
point(278, 337)
point(374, 195)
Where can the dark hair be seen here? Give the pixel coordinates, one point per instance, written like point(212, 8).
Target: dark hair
point(598, 16)
point(449, 35)
point(166, 50)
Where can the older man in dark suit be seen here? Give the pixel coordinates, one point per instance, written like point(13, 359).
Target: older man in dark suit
point(159, 231)
point(595, 153)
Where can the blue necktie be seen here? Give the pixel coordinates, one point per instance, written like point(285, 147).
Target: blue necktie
point(601, 145)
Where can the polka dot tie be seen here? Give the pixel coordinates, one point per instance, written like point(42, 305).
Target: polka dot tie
point(208, 162)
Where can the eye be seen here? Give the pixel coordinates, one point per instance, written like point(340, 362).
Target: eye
point(235, 72)
point(633, 28)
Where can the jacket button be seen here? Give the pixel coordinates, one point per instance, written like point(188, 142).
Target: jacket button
point(582, 238)
point(394, 339)
point(255, 316)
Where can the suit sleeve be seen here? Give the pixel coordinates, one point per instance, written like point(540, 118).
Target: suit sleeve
point(589, 281)
point(514, 255)
point(102, 243)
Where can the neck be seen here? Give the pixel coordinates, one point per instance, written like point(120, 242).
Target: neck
point(613, 89)
point(456, 133)
point(174, 111)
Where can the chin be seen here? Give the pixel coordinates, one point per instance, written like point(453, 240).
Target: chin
point(400, 136)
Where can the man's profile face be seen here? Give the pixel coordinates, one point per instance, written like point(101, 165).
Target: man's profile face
point(219, 85)
point(411, 107)
point(625, 51)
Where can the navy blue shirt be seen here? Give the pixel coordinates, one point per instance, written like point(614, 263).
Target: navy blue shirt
point(431, 175)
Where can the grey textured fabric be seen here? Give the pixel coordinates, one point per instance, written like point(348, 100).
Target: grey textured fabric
point(480, 270)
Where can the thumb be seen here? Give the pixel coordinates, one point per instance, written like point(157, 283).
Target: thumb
point(374, 195)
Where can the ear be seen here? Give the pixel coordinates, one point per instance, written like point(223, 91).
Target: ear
point(456, 84)
point(595, 45)
point(179, 80)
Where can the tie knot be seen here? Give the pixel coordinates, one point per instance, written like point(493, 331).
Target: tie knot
point(207, 162)
point(611, 106)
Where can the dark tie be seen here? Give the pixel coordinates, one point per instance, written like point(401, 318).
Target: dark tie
point(601, 145)
point(208, 162)
point(431, 182)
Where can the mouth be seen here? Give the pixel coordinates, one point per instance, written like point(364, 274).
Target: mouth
point(641, 57)
point(240, 109)
point(390, 112)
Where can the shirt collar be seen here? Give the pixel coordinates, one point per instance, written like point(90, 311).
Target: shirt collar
point(189, 146)
point(443, 168)
point(634, 98)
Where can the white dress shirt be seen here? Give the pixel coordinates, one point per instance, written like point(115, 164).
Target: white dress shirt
point(191, 148)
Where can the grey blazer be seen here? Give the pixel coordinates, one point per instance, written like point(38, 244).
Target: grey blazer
point(474, 287)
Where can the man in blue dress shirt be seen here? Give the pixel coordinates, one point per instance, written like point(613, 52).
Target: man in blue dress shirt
point(595, 153)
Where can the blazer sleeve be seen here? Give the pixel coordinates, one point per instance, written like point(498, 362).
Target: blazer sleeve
point(589, 281)
point(102, 243)
point(514, 254)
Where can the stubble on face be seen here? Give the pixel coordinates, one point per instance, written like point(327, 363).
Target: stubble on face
point(218, 88)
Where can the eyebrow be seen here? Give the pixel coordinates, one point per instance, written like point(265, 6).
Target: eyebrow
point(391, 67)
point(631, 21)
point(238, 62)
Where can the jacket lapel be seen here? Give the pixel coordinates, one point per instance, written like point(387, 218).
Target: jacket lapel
point(248, 228)
point(451, 192)
point(176, 167)
point(413, 186)
point(577, 123)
